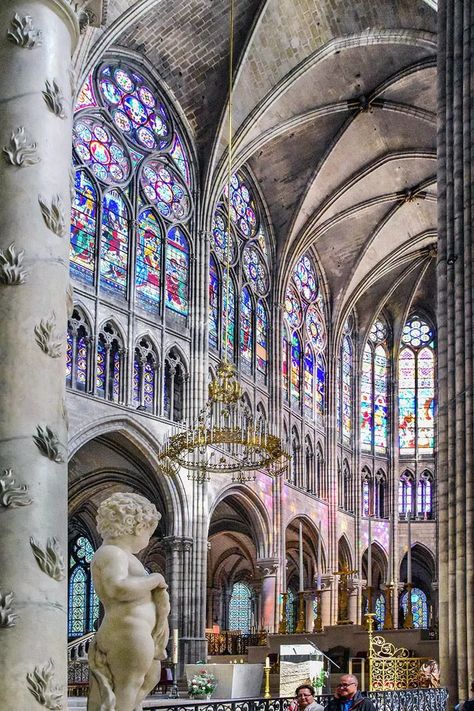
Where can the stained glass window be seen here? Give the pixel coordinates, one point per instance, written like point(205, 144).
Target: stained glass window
point(133, 177)
point(177, 270)
point(295, 368)
point(291, 610)
point(405, 494)
point(419, 606)
point(379, 609)
point(320, 385)
point(380, 399)
point(424, 496)
point(148, 264)
point(114, 243)
point(262, 329)
point(77, 351)
point(229, 321)
point(292, 307)
point(416, 388)
point(315, 327)
point(246, 334)
point(284, 364)
point(240, 608)
point(308, 380)
point(83, 602)
point(305, 279)
point(366, 399)
point(144, 375)
point(346, 389)
point(108, 364)
point(135, 108)
point(83, 228)
point(213, 304)
point(238, 242)
point(366, 496)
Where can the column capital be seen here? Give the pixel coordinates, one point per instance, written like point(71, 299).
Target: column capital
point(267, 566)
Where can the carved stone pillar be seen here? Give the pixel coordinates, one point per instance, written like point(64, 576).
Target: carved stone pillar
point(268, 569)
point(36, 42)
point(455, 344)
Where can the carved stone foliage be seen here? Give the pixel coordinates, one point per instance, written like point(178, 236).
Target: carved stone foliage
point(23, 33)
point(53, 215)
point(41, 684)
point(49, 444)
point(11, 272)
point(12, 495)
point(48, 339)
point(7, 617)
point(49, 559)
point(21, 151)
point(54, 98)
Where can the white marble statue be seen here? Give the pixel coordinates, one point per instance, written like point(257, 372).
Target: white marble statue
point(125, 654)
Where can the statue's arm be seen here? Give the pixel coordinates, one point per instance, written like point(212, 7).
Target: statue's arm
point(111, 566)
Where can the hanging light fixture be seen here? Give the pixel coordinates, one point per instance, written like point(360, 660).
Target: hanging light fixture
point(224, 439)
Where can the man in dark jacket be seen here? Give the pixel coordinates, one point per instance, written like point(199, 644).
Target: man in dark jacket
point(348, 697)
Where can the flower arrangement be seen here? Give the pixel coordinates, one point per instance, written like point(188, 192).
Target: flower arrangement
point(320, 679)
point(202, 684)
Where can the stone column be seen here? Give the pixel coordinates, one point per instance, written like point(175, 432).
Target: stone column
point(455, 343)
point(328, 618)
point(36, 41)
point(268, 569)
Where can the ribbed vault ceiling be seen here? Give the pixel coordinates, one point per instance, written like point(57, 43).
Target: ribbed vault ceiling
point(333, 114)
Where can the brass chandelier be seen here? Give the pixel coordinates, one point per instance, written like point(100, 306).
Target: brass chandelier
point(224, 439)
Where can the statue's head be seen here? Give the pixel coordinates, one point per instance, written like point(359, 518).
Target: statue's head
point(126, 514)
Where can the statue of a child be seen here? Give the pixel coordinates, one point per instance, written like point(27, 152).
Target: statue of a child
point(125, 654)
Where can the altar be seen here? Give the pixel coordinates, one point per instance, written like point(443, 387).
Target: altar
point(234, 681)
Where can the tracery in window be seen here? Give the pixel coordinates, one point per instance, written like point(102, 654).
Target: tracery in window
point(347, 366)
point(145, 376)
point(78, 353)
point(379, 610)
point(132, 162)
point(175, 386)
point(244, 249)
point(367, 492)
point(240, 608)
point(405, 494)
point(424, 503)
point(109, 363)
point(416, 388)
point(83, 603)
point(303, 315)
point(419, 605)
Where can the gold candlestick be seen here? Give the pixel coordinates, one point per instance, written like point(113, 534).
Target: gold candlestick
point(267, 694)
point(283, 626)
point(301, 626)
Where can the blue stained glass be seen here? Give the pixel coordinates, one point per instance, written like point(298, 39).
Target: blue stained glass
point(295, 369)
point(291, 611)
point(229, 318)
point(223, 249)
point(163, 187)
point(181, 159)
point(136, 381)
point(77, 603)
point(148, 263)
point(308, 381)
point(97, 147)
point(315, 327)
point(305, 279)
point(114, 243)
point(177, 271)
point(116, 374)
point(149, 385)
point(365, 497)
point(379, 610)
point(419, 606)
point(246, 335)
point(240, 608)
point(83, 228)
point(83, 601)
point(242, 207)
point(320, 385)
point(213, 304)
point(292, 307)
point(135, 109)
point(262, 329)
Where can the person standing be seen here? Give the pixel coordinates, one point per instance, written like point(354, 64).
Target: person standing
point(348, 697)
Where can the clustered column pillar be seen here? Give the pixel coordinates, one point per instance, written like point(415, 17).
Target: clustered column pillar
point(36, 41)
point(455, 343)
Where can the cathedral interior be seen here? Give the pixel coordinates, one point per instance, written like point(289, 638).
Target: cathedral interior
point(288, 227)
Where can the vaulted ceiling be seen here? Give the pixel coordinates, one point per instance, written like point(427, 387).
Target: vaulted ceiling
point(334, 114)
